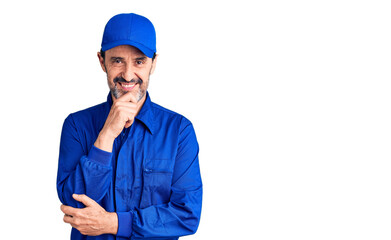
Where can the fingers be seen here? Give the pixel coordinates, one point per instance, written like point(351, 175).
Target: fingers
point(88, 202)
point(122, 114)
point(68, 219)
point(128, 123)
point(74, 222)
point(127, 97)
point(67, 210)
point(125, 111)
point(88, 220)
point(125, 106)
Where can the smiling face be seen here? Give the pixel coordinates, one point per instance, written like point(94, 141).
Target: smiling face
point(128, 70)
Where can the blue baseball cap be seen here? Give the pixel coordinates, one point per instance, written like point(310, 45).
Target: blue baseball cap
point(130, 29)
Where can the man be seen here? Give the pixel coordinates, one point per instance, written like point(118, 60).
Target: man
point(128, 168)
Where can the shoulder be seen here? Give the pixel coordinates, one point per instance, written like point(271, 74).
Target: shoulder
point(169, 116)
point(174, 128)
point(89, 112)
point(89, 117)
point(95, 108)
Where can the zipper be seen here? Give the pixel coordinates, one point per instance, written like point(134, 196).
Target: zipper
point(118, 143)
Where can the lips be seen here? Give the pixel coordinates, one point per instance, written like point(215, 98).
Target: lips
point(127, 86)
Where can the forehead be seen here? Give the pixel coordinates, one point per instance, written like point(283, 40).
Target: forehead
point(124, 51)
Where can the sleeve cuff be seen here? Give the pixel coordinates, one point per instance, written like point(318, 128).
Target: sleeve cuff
point(99, 156)
point(124, 224)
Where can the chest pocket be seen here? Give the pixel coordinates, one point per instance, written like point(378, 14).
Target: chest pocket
point(157, 177)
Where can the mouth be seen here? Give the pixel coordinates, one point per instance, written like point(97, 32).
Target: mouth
point(127, 86)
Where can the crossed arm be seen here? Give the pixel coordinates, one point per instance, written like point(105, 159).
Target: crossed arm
point(93, 220)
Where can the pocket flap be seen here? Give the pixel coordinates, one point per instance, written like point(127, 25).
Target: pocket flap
point(159, 165)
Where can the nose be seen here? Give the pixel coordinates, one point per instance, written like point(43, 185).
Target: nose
point(128, 74)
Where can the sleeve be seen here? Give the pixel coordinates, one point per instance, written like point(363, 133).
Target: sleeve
point(79, 172)
point(181, 215)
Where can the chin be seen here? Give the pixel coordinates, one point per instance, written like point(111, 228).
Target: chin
point(118, 93)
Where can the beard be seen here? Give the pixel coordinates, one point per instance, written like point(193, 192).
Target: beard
point(117, 91)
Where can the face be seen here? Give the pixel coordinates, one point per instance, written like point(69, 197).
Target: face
point(128, 70)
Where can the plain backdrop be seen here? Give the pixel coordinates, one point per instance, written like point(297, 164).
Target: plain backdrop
point(290, 101)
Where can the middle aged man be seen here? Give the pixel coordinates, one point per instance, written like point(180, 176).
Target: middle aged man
point(128, 168)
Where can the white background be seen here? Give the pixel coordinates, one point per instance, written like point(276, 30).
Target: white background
point(290, 101)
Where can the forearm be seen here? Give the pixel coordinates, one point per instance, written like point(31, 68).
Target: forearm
point(105, 141)
point(179, 217)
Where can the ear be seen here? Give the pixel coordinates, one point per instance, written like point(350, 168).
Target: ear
point(102, 62)
point(154, 64)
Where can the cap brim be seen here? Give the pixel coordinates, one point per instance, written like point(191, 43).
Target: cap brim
point(148, 52)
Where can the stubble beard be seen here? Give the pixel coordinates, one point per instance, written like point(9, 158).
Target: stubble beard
point(117, 92)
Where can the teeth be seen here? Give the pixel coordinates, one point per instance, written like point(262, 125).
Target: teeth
point(128, 86)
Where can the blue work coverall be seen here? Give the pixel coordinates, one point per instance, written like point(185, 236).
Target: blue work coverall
point(151, 179)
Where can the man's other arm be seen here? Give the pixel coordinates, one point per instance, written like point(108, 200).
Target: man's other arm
point(182, 214)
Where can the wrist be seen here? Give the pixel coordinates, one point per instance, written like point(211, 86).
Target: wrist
point(113, 225)
point(104, 142)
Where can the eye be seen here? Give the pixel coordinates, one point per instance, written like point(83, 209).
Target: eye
point(140, 61)
point(117, 60)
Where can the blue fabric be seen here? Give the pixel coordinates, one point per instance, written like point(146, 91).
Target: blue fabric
point(151, 179)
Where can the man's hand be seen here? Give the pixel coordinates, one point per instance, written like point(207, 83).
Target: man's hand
point(122, 114)
point(92, 220)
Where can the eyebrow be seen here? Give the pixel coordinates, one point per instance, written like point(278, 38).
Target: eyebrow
point(136, 59)
point(116, 58)
point(140, 58)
